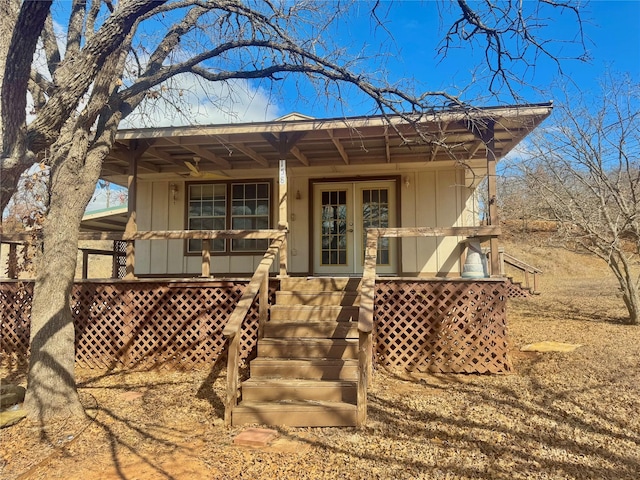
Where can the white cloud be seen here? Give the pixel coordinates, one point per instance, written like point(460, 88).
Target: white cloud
point(188, 100)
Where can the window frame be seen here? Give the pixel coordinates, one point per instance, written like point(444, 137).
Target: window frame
point(228, 218)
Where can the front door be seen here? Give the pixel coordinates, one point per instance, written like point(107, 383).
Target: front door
point(342, 213)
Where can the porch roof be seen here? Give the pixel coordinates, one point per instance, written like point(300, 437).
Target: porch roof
point(228, 150)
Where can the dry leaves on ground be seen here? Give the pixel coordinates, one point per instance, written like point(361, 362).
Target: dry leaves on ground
point(560, 415)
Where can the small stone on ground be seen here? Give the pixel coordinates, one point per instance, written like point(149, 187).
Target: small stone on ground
point(550, 346)
point(255, 437)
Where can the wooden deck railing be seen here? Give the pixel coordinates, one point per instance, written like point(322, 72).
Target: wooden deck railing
point(367, 293)
point(259, 285)
point(15, 239)
point(525, 268)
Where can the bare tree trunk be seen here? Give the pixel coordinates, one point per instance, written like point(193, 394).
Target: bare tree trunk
point(8, 15)
point(621, 268)
point(15, 62)
point(51, 387)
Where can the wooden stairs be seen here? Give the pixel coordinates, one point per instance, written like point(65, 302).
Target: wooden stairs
point(306, 370)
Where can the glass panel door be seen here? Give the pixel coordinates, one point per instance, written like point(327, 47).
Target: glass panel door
point(342, 213)
point(376, 209)
point(334, 229)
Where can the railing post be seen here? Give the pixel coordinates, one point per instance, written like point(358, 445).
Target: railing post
point(132, 222)
point(232, 377)
point(535, 282)
point(365, 324)
point(284, 258)
point(526, 277)
point(115, 262)
point(364, 358)
point(206, 258)
point(263, 305)
point(13, 261)
point(85, 264)
point(501, 261)
point(130, 260)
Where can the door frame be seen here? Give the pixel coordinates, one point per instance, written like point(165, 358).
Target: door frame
point(358, 179)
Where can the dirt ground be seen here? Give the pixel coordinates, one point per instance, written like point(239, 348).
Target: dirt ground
point(559, 416)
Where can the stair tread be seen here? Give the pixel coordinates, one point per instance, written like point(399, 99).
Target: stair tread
point(319, 292)
point(301, 306)
point(351, 323)
point(301, 382)
point(278, 405)
point(309, 340)
point(321, 283)
point(322, 361)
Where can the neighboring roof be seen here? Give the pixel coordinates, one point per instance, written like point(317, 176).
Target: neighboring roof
point(440, 136)
point(293, 116)
point(105, 219)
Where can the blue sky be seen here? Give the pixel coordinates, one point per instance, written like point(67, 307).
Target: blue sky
point(612, 37)
point(612, 40)
point(407, 51)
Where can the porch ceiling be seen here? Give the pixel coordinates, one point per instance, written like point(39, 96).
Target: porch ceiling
point(230, 149)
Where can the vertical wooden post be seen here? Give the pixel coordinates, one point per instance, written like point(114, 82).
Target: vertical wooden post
point(364, 377)
point(13, 261)
point(132, 224)
point(232, 377)
point(366, 324)
point(263, 304)
point(206, 257)
point(283, 214)
point(492, 197)
point(284, 259)
point(115, 263)
point(85, 264)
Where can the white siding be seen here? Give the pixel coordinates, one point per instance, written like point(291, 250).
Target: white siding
point(431, 195)
point(143, 218)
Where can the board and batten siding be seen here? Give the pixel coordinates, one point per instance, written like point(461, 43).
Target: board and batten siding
point(433, 197)
point(157, 211)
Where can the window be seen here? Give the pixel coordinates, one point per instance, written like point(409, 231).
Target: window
point(247, 209)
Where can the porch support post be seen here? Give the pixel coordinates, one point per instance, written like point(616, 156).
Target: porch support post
point(283, 214)
point(488, 138)
point(132, 224)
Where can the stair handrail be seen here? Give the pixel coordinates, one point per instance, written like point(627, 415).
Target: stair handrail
point(259, 284)
point(523, 267)
point(515, 262)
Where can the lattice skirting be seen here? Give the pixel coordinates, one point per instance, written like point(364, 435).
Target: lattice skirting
point(442, 326)
point(137, 324)
point(438, 326)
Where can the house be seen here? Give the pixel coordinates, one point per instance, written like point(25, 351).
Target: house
point(342, 176)
point(365, 221)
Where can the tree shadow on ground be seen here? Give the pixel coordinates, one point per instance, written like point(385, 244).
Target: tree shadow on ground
point(206, 390)
point(495, 430)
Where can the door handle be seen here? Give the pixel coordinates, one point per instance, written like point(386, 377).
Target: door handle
point(349, 229)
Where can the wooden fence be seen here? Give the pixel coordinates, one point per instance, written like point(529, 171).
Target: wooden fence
point(437, 325)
